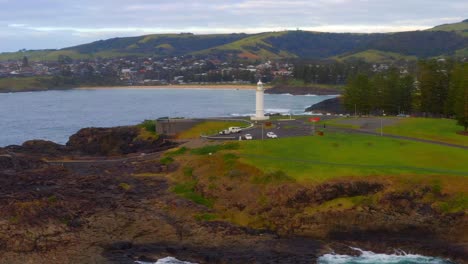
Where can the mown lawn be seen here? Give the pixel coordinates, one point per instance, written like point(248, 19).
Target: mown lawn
point(208, 128)
point(335, 155)
point(443, 130)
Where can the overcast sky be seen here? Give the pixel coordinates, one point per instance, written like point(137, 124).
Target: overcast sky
point(39, 24)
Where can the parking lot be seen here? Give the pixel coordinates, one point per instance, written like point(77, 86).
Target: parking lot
point(282, 128)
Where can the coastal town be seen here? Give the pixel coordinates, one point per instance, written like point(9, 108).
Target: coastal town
point(150, 71)
point(190, 70)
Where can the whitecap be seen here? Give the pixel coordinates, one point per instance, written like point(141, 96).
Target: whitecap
point(277, 110)
point(241, 115)
point(368, 257)
point(167, 260)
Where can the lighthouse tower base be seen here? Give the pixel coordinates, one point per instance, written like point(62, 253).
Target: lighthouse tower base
point(259, 118)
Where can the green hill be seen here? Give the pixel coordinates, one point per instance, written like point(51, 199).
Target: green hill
point(448, 40)
point(461, 28)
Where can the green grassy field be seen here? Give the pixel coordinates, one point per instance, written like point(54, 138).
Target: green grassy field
point(336, 155)
point(23, 83)
point(376, 56)
point(208, 128)
point(443, 130)
point(252, 47)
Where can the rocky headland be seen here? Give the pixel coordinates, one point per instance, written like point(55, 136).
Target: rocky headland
point(117, 195)
point(333, 105)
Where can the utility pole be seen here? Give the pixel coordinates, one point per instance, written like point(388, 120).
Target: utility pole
point(262, 129)
point(381, 123)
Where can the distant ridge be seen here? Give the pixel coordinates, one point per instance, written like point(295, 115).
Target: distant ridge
point(443, 40)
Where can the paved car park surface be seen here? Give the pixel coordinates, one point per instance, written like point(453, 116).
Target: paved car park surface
point(282, 128)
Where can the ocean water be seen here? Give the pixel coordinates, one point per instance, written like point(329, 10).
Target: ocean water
point(55, 115)
point(366, 257)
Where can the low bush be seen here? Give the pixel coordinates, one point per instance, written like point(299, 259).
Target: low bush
point(278, 176)
point(215, 148)
point(187, 191)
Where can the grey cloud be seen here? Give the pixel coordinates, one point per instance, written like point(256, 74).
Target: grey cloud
point(57, 23)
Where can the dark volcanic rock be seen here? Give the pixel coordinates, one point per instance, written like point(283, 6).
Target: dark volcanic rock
point(113, 141)
point(334, 105)
point(19, 162)
point(43, 147)
point(277, 250)
point(39, 147)
point(329, 191)
point(296, 90)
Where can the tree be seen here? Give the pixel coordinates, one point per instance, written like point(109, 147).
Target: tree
point(434, 84)
point(25, 62)
point(358, 94)
point(460, 87)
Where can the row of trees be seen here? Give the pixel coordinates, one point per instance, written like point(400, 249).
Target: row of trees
point(439, 89)
point(326, 73)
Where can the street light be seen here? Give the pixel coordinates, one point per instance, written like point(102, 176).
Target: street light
point(381, 123)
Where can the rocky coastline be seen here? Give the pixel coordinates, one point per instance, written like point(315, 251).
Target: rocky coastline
point(333, 105)
point(107, 197)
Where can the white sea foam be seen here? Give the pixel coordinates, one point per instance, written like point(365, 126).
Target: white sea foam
point(237, 114)
point(277, 110)
point(368, 257)
point(168, 260)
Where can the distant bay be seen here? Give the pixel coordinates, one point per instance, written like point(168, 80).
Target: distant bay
point(55, 115)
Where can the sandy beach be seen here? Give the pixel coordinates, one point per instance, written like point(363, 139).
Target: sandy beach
point(182, 86)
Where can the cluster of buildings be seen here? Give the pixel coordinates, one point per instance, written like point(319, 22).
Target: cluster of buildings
point(150, 71)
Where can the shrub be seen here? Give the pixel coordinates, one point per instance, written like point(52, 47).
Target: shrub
point(177, 152)
point(166, 160)
point(149, 125)
point(230, 159)
point(205, 217)
point(187, 191)
point(188, 171)
point(215, 148)
point(125, 186)
point(273, 177)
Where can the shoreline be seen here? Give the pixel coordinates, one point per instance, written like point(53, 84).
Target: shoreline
point(182, 86)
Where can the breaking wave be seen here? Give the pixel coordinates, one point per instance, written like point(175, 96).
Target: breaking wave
point(368, 257)
point(168, 260)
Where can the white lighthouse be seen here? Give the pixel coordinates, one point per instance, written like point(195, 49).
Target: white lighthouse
point(259, 112)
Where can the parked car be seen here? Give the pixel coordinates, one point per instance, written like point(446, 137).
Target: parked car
point(234, 129)
point(225, 132)
point(271, 135)
point(248, 136)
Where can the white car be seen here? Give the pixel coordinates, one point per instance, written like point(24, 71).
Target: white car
point(225, 132)
point(271, 135)
point(248, 136)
